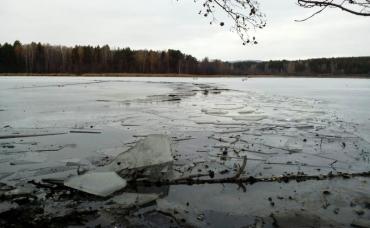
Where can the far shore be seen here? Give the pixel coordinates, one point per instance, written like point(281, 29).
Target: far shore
point(180, 75)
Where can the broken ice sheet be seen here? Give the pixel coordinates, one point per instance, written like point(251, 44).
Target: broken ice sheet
point(115, 151)
point(97, 183)
point(282, 128)
point(29, 158)
point(54, 172)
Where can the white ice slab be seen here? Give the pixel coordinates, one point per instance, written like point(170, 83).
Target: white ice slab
point(97, 183)
point(153, 150)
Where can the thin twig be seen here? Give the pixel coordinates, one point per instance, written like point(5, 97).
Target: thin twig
point(241, 169)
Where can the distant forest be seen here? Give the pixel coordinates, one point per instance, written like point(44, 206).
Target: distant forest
point(37, 58)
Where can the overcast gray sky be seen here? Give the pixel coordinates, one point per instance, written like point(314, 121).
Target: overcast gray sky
point(163, 24)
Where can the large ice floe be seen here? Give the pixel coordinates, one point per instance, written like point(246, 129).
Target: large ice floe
point(152, 151)
point(97, 183)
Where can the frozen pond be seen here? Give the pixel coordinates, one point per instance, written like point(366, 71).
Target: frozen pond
point(223, 131)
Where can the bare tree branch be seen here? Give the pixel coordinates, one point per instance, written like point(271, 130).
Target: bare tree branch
point(245, 15)
point(312, 15)
point(356, 7)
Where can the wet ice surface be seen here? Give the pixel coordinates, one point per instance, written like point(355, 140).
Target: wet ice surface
point(52, 129)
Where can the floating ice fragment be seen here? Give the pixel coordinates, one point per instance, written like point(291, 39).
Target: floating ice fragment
point(165, 169)
point(360, 223)
point(84, 132)
point(214, 112)
point(25, 190)
point(247, 111)
point(153, 150)
point(250, 117)
point(25, 133)
point(53, 170)
point(304, 126)
point(30, 158)
point(220, 123)
point(97, 183)
point(4, 175)
point(76, 162)
point(7, 206)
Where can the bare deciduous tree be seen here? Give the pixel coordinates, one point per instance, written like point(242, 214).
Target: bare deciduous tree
point(246, 15)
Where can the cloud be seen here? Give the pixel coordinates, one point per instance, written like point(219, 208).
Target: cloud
point(164, 24)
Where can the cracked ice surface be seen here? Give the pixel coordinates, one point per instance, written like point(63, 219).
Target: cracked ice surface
point(282, 126)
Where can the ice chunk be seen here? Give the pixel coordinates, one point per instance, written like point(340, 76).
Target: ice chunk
point(7, 206)
point(97, 183)
point(153, 150)
point(246, 111)
point(133, 199)
point(24, 190)
point(250, 117)
point(360, 223)
point(214, 112)
point(30, 158)
point(76, 162)
point(4, 175)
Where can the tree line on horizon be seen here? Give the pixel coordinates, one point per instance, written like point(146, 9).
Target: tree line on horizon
point(37, 58)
